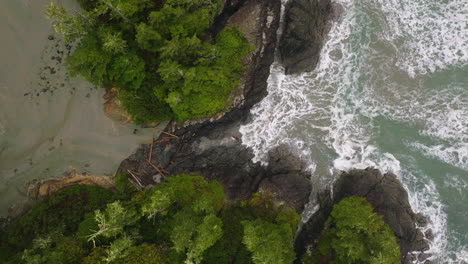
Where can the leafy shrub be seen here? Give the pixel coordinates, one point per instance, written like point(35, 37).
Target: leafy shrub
point(181, 220)
point(190, 205)
point(63, 211)
point(157, 53)
point(270, 243)
point(123, 185)
point(231, 248)
point(56, 250)
point(355, 234)
point(143, 254)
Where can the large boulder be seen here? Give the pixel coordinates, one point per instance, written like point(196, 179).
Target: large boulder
point(305, 27)
point(388, 198)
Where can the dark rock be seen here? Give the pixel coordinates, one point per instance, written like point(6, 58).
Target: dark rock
point(213, 147)
point(51, 37)
point(207, 146)
point(389, 199)
point(305, 27)
point(291, 188)
point(216, 155)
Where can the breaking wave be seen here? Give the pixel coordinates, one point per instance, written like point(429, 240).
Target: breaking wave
point(379, 79)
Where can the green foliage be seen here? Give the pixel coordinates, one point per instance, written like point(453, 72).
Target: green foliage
point(355, 234)
point(92, 60)
point(123, 185)
point(193, 234)
point(230, 249)
point(144, 107)
point(112, 221)
point(181, 220)
point(96, 256)
point(192, 204)
point(60, 250)
point(158, 54)
point(63, 212)
point(270, 243)
point(188, 191)
point(118, 249)
point(71, 27)
point(143, 254)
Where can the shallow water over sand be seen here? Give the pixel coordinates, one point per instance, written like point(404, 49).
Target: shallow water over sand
point(49, 122)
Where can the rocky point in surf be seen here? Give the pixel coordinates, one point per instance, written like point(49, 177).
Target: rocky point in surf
point(306, 23)
point(389, 199)
point(213, 147)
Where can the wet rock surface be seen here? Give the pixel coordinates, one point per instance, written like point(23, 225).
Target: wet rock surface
point(305, 27)
point(213, 148)
point(389, 199)
point(217, 154)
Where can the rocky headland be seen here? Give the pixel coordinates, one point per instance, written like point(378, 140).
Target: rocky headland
point(388, 198)
point(213, 146)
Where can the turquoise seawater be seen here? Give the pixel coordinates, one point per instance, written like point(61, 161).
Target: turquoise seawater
point(391, 92)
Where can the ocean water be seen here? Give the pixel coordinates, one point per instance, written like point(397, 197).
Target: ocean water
point(391, 92)
point(48, 121)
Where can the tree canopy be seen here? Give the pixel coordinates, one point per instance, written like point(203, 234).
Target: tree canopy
point(184, 219)
point(159, 54)
point(356, 234)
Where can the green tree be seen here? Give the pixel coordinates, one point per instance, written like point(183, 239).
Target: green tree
point(113, 42)
point(143, 254)
point(112, 221)
point(90, 61)
point(193, 233)
point(355, 234)
point(230, 249)
point(71, 27)
point(270, 243)
point(54, 250)
point(190, 204)
point(159, 54)
point(118, 249)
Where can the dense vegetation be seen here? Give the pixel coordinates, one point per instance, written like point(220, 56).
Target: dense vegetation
point(182, 220)
point(355, 234)
point(185, 220)
point(157, 53)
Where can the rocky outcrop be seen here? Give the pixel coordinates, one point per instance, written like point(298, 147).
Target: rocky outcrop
point(213, 147)
point(389, 199)
point(259, 21)
point(218, 154)
point(39, 189)
point(113, 108)
point(305, 27)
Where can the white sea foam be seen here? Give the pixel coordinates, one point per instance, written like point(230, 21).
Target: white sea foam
point(434, 34)
point(369, 71)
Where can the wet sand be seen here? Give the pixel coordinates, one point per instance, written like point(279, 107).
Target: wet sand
point(48, 121)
